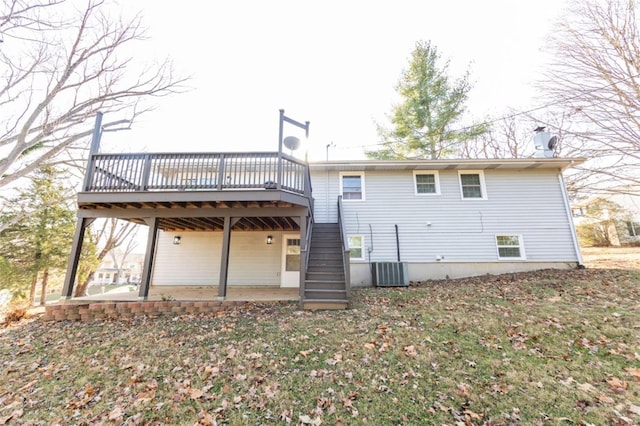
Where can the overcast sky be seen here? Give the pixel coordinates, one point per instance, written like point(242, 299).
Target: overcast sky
point(333, 63)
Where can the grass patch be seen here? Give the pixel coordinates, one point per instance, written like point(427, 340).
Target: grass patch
point(536, 348)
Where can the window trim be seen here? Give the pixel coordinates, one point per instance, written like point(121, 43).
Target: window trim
point(436, 177)
point(362, 246)
point(362, 186)
point(483, 186)
point(522, 256)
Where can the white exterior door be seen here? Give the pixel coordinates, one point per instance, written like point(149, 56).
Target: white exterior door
point(290, 261)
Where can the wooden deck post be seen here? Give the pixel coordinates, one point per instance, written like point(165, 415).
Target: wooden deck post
point(279, 173)
point(224, 259)
point(74, 256)
point(94, 148)
point(149, 257)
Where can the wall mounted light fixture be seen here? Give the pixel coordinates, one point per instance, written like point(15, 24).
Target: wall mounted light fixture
point(269, 239)
point(177, 239)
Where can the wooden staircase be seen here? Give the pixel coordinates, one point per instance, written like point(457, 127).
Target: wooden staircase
point(325, 286)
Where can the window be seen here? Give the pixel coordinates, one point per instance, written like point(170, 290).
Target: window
point(634, 229)
point(356, 247)
point(292, 261)
point(510, 247)
point(472, 185)
point(427, 183)
point(352, 186)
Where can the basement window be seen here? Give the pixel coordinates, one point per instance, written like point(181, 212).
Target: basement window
point(633, 228)
point(510, 247)
point(356, 243)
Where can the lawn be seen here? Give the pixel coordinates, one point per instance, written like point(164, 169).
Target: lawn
point(551, 347)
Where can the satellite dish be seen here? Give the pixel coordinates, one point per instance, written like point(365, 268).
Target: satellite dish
point(545, 144)
point(291, 142)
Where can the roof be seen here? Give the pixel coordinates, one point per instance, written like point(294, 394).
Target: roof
point(498, 163)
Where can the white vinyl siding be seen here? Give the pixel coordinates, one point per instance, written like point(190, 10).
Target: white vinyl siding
point(352, 186)
point(524, 202)
point(426, 183)
point(326, 188)
point(472, 185)
point(196, 261)
point(509, 247)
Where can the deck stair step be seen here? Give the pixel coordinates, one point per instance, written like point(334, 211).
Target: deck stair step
point(324, 304)
point(326, 293)
point(329, 275)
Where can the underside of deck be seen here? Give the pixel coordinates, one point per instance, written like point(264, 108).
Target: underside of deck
point(201, 210)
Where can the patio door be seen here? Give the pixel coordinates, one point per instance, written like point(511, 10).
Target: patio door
point(290, 276)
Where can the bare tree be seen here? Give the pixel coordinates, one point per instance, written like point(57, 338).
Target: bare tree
point(120, 257)
point(595, 78)
point(59, 65)
point(107, 235)
point(508, 137)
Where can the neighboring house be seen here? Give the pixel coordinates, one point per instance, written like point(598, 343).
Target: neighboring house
point(267, 218)
point(612, 219)
point(129, 273)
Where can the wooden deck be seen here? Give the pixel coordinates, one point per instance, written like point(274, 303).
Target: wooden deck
point(196, 293)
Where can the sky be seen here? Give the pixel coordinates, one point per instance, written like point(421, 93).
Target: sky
point(333, 63)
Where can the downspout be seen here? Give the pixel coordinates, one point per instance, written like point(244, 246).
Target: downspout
point(567, 206)
point(397, 242)
point(369, 250)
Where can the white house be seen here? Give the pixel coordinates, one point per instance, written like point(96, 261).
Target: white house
point(443, 218)
point(270, 219)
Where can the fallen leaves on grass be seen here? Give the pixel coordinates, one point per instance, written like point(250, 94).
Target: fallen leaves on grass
point(483, 350)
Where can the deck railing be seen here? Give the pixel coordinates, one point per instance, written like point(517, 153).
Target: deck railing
point(196, 171)
point(346, 252)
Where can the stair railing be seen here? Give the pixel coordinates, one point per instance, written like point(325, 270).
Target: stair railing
point(346, 252)
point(304, 252)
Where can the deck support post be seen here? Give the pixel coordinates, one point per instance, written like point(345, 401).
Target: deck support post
point(303, 255)
point(149, 257)
point(224, 259)
point(93, 149)
point(74, 256)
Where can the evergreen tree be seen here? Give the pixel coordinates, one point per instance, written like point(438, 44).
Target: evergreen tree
point(39, 242)
point(426, 124)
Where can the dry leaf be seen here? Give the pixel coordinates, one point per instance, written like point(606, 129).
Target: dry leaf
point(306, 420)
point(196, 393)
point(473, 415)
point(116, 413)
point(587, 387)
point(410, 351)
point(617, 385)
point(606, 400)
point(633, 372)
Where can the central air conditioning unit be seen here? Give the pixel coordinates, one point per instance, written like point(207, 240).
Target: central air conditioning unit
point(390, 274)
